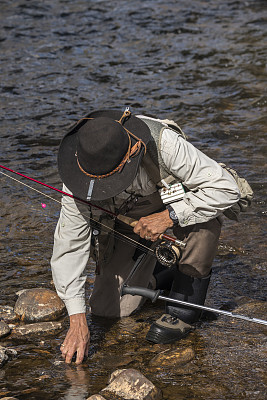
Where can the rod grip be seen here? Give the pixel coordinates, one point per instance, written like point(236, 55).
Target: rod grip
point(127, 220)
point(140, 291)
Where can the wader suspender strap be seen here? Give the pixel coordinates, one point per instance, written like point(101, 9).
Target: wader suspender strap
point(151, 169)
point(153, 172)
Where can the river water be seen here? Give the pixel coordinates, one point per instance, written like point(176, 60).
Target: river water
point(201, 63)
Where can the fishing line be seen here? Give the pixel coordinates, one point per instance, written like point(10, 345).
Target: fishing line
point(117, 235)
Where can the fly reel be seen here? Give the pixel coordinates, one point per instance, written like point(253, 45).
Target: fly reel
point(167, 254)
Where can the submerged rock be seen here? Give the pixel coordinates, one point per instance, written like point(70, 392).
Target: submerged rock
point(173, 358)
point(96, 397)
point(37, 305)
point(113, 360)
point(7, 314)
point(130, 384)
point(4, 329)
point(249, 308)
point(6, 354)
point(41, 328)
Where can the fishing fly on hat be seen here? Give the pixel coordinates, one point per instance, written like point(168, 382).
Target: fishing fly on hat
point(100, 155)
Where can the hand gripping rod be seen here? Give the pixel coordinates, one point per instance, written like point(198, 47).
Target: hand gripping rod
point(132, 222)
point(154, 295)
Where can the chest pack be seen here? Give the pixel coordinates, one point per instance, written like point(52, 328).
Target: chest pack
point(169, 186)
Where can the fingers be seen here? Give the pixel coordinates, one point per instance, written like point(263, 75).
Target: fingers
point(80, 355)
point(77, 342)
point(68, 351)
point(152, 226)
point(146, 230)
point(82, 352)
point(69, 354)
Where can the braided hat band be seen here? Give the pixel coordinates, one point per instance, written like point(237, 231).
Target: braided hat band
point(132, 151)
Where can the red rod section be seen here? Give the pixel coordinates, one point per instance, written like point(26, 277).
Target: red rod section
point(60, 191)
point(167, 237)
point(163, 236)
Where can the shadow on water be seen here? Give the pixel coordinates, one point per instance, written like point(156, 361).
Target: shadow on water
point(201, 63)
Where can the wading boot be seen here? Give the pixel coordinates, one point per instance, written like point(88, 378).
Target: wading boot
point(176, 323)
point(168, 329)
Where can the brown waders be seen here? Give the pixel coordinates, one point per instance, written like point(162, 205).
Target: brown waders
point(188, 281)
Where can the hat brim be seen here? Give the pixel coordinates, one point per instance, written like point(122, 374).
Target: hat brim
point(100, 189)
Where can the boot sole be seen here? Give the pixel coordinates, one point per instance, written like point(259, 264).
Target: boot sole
point(156, 335)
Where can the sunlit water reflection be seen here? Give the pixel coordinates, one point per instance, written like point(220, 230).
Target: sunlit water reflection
point(201, 63)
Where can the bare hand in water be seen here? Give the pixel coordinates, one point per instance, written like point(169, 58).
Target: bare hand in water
point(77, 339)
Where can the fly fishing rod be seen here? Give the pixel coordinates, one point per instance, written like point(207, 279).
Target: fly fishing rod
point(59, 191)
point(167, 251)
point(154, 295)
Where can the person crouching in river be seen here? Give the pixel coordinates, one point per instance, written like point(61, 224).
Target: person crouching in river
point(119, 161)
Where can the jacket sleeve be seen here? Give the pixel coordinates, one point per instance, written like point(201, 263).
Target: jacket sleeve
point(71, 253)
point(211, 188)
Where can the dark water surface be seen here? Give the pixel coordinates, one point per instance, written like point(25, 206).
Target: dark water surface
point(201, 63)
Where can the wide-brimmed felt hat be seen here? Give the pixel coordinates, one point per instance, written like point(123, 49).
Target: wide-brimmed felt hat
point(99, 156)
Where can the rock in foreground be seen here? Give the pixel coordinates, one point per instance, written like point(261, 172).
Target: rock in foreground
point(42, 328)
point(4, 329)
point(6, 354)
point(38, 305)
point(130, 384)
point(7, 314)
